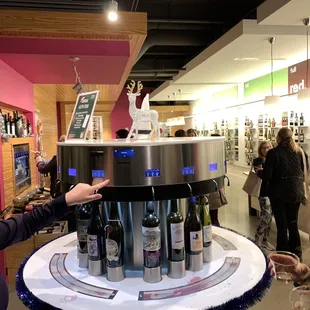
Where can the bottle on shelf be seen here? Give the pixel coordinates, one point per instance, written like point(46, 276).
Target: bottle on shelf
point(296, 134)
point(205, 218)
point(269, 122)
point(18, 125)
point(302, 137)
point(151, 246)
point(176, 251)
point(251, 148)
point(24, 126)
point(292, 118)
point(273, 136)
point(269, 135)
point(12, 126)
point(193, 238)
point(7, 125)
point(301, 120)
point(273, 123)
point(83, 217)
point(296, 119)
point(115, 246)
point(95, 245)
point(29, 128)
point(2, 122)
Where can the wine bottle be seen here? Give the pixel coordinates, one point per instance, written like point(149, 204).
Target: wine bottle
point(24, 126)
point(151, 238)
point(296, 119)
point(2, 122)
point(296, 135)
point(95, 234)
point(29, 128)
point(18, 125)
point(301, 120)
point(175, 231)
point(302, 137)
point(193, 238)
point(292, 118)
point(203, 211)
point(83, 217)
point(115, 246)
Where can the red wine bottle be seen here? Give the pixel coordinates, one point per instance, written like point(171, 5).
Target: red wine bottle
point(95, 244)
point(151, 238)
point(114, 239)
point(175, 231)
point(193, 232)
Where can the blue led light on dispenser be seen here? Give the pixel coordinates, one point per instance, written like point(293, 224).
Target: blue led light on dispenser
point(213, 167)
point(152, 173)
point(188, 170)
point(98, 173)
point(72, 172)
point(129, 153)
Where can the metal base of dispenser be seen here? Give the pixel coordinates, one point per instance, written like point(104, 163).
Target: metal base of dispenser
point(152, 275)
point(176, 270)
point(116, 274)
point(207, 254)
point(195, 262)
point(83, 260)
point(95, 268)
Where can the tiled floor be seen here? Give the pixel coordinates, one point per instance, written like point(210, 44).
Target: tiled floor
point(235, 216)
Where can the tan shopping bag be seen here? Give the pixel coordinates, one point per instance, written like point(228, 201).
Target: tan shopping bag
point(252, 184)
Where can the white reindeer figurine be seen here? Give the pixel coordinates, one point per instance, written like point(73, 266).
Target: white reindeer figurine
point(139, 115)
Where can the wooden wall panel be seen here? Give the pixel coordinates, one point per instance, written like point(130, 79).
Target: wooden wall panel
point(45, 102)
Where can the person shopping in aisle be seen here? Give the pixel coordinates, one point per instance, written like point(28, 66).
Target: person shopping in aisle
point(191, 133)
point(263, 227)
point(21, 227)
point(283, 173)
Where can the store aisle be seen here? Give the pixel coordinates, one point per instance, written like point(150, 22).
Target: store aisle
point(235, 216)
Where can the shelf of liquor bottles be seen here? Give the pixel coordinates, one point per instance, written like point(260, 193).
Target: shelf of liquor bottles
point(14, 125)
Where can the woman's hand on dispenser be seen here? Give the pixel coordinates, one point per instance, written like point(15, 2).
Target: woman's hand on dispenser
point(83, 193)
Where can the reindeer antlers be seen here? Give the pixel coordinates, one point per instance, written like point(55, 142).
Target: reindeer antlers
point(131, 87)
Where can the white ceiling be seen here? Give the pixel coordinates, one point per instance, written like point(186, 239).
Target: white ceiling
point(283, 12)
point(217, 68)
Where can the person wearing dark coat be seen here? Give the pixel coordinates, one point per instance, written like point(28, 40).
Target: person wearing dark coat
point(284, 174)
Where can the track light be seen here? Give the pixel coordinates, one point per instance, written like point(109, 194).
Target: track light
point(112, 11)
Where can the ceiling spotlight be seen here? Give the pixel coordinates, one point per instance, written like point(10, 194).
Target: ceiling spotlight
point(112, 11)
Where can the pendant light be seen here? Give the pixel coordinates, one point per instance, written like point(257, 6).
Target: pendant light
point(271, 100)
point(304, 94)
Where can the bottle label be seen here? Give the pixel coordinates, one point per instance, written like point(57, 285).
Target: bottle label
point(13, 130)
point(207, 234)
point(196, 241)
point(112, 250)
point(177, 236)
point(93, 244)
point(151, 238)
point(82, 226)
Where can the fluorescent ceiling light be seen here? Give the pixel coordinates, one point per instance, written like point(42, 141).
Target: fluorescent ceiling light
point(258, 59)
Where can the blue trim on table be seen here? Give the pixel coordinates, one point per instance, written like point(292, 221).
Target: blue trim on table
point(247, 300)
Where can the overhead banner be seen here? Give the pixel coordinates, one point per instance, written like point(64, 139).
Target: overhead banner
point(82, 115)
point(297, 77)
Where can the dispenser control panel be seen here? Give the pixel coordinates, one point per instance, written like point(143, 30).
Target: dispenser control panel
point(152, 173)
point(98, 173)
point(72, 172)
point(124, 153)
point(213, 167)
point(188, 170)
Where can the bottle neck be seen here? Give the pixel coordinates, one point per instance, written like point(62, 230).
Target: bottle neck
point(192, 207)
point(95, 209)
point(150, 208)
point(113, 211)
point(174, 206)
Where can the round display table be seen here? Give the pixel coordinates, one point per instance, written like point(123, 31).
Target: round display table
point(235, 279)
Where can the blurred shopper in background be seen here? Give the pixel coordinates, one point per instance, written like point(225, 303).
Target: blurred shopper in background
point(192, 133)
point(284, 174)
point(121, 134)
point(180, 133)
point(263, 227)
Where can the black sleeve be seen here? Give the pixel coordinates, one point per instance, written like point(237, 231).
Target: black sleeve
point(22, 227)
point(270, 164)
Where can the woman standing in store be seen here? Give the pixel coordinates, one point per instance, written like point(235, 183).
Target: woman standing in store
point(263, 227)
point(284, 175)
point(191, 133)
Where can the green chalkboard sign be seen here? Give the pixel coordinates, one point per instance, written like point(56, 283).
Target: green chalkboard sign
point(82, 115)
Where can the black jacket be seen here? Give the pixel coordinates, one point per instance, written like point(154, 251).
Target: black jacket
point(264, 187)
point(284, 174)
point(50, 167)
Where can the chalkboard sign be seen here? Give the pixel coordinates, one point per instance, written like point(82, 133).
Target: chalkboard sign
point(82, 115)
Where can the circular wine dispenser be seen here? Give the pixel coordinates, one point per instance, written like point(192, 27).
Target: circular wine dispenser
point(150, 238)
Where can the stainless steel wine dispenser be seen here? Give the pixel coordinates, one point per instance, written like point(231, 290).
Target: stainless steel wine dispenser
point(143, 171)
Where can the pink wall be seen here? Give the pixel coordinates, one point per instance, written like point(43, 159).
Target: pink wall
point(120, 118)
point(15, 91)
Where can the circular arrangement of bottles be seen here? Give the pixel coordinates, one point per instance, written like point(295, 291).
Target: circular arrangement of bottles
point(101, 247)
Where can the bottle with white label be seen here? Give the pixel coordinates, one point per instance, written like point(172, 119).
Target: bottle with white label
point(193, 238)
point(203, 210)
point(176, 251)
point(151, 238)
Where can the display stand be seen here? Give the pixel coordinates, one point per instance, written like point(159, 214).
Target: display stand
point(236, 278)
